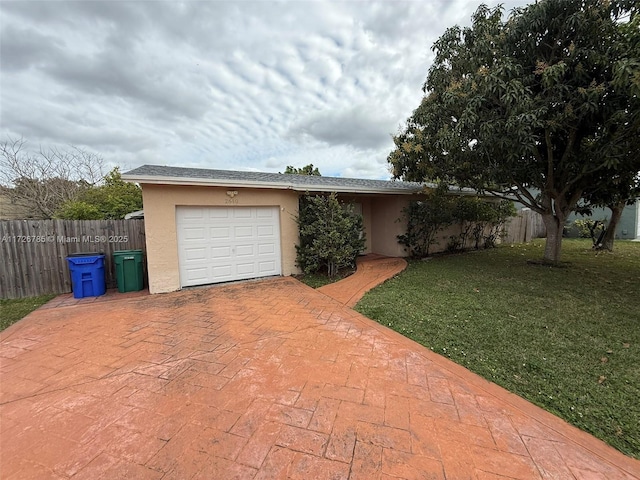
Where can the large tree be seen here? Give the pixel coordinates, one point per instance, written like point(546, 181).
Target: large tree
point(617, 187)
point(615, 192)
point(536, 107)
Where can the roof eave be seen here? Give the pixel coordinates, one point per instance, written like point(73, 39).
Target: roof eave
point(344, 189)
point(208, 182)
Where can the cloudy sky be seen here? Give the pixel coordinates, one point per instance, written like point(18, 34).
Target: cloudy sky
point(238, 85)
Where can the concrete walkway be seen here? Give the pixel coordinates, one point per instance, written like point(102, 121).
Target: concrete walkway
point(262, 380)
point(372, 270)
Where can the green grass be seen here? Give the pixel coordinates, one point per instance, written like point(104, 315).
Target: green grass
point(566, 339)
point(13, 310)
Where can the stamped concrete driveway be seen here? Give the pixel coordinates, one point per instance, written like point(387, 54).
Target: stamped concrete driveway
point(262, 380)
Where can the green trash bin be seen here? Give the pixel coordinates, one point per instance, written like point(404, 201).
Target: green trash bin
point(129, 271)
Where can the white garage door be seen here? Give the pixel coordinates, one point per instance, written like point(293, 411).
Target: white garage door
point(222, 244)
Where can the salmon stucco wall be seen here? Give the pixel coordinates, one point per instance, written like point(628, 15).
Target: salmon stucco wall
point(160, 202)
point(366, 222)
point(386, 224)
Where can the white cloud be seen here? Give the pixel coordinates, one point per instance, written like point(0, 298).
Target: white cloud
point(361, 126)
point(222, 84)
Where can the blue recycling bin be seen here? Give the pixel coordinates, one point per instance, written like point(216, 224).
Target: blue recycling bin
point(87, 274)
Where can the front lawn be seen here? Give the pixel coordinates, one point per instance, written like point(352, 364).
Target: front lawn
point(13, 310)
point(566, 339)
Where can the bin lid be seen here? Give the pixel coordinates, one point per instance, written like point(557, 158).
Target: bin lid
point(126, 252)
point(85, 259)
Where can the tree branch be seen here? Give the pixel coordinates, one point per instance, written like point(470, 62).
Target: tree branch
point(550, 177)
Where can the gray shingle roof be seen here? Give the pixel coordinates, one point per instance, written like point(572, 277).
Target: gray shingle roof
point(201, 176)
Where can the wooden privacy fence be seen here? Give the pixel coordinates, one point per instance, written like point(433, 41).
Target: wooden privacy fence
point(524, 227)
point(33, 252)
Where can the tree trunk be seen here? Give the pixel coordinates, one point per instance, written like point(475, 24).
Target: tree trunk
point(610, 234)
point(553, 246)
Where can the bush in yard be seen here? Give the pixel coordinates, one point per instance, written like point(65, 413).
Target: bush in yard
point(465, 212)
point(593, 229)
point(331, 234)
point(425, 219)
point(478, 219)
point(494, 217)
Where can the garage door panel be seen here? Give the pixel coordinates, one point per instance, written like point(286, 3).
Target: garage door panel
point(245, 251)
point(192, 233)
point(243, 231)
point(267, 267)
point(242, 213)
point(266, 249)
point(194, 214)
point(218, 213)
point(247, 269)
point(220, 252)
point(195, 254)
point(219, 233)
point(197, 274)
point(221, 273)
point(265, 231)
point(220, 244)
point(266, 213)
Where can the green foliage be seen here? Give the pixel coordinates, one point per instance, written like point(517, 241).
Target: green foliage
point(566, 339)
point(543, 106)
point(481, 220)
point(306, 170)
point(425, 219)
point(79, 210)
point(112, 200)
point(494, 216)
point(478, 219)
point(331, 234)
point(588, 228)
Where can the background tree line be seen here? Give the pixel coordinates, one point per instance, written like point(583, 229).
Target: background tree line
point(64, 183)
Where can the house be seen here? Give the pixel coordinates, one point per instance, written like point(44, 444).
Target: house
point(628, 227)
point(10, 209)
point(136, 215)
point(208, 226)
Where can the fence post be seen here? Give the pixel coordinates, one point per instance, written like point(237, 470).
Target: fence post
point(524, 227)
point(33, 252)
